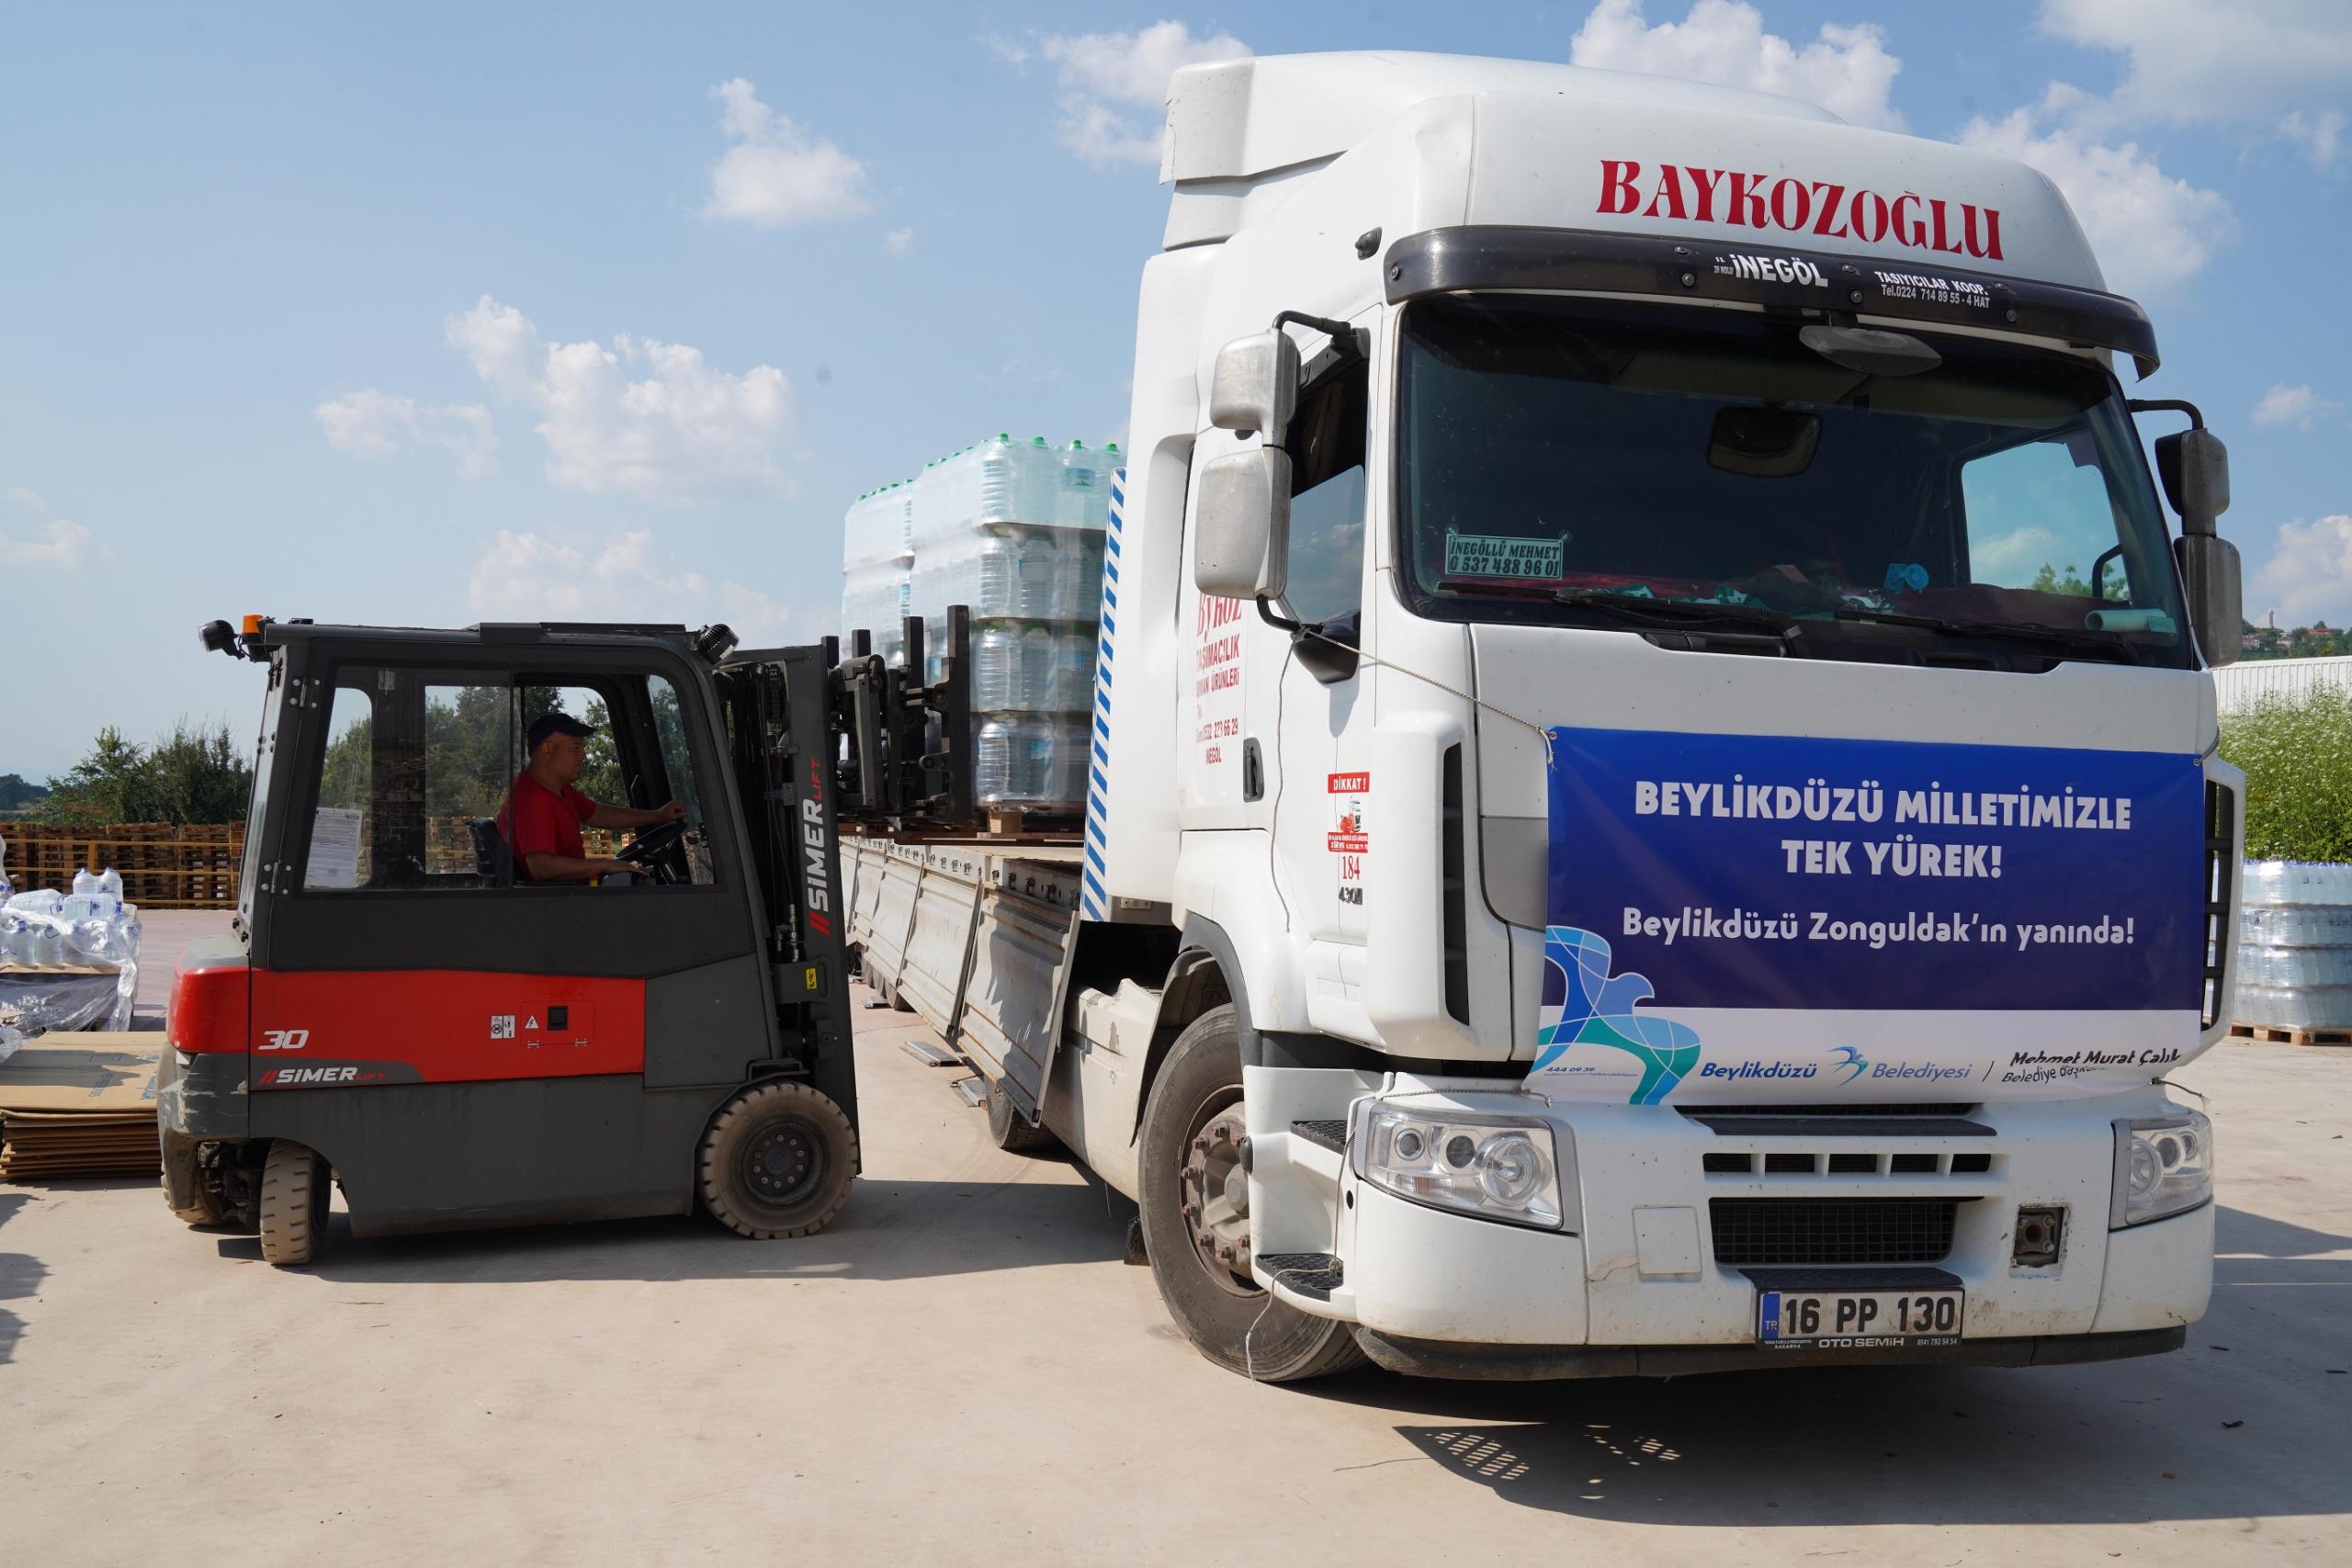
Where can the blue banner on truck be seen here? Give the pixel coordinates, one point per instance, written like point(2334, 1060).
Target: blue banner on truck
point(1778, 918)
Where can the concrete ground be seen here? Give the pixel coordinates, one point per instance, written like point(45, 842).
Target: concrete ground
point(962, 1371)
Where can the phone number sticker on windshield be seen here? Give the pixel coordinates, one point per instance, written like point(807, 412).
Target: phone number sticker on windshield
point(1503, 555)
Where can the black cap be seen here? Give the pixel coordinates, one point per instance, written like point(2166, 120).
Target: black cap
point(548, 724)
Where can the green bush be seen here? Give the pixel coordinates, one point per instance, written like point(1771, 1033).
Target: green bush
point(2297, 754)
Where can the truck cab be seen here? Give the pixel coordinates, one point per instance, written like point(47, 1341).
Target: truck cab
point(1654, 803)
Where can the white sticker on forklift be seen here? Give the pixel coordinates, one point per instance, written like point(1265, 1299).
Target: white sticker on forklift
point(501, 1026)
point(335, 849)
point(1503, 555)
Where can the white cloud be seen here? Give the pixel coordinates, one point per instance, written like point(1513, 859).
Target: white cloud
point(2297, 405)
point(2012, 557)
point(59, 545)
point(1114, 85)
point(1846, 70)
point(533, 576)
point(776, 172)
point(369, 424)
point(2319, 134)
point(2310, 571)
point(2152, 233)
point(681, 431)
point(897, 242)
point(2205, 62)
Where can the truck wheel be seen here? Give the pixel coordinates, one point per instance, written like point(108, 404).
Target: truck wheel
point(1009, 1130)
point(777, 1161)
point(1198, 1240)
point(294, 1189)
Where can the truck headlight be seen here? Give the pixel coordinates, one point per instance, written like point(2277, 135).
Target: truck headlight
point(1503, 1169)
point(2163, 1165)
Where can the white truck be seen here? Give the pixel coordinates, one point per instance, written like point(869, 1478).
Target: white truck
point(1654, 803)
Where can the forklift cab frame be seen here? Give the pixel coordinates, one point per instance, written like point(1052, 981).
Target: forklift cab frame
point(460, 1049)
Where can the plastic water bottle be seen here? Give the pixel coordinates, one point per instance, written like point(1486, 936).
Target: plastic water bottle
point(1037, 667)
point(1041, 479)
point(1038, 557)
point(15, 939)
point(996, 668)
point(1073, 682)
point(110, 883)
point(1002, 467)
point(1082, 503)
point(992, 761)
point(1080, 590)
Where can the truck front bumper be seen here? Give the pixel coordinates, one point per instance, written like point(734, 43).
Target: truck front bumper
point(1636, 1279)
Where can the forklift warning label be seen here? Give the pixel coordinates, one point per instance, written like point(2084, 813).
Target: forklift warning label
point(1761, 917)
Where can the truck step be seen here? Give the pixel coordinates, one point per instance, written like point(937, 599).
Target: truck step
point(930, 1053)
point(1332, 1134)
point(973, 1091)
point(1315, 1274)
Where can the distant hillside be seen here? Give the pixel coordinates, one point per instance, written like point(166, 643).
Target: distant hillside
point(18, 794)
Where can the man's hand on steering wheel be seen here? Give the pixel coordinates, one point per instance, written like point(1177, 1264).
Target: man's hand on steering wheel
point(643, 852)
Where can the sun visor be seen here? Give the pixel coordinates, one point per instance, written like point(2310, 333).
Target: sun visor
point(1444, 261)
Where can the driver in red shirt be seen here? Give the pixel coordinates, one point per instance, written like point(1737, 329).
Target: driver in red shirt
point(543, 814)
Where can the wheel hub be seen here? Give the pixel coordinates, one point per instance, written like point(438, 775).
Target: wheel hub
point(782, 1164)
point(1214, 1192)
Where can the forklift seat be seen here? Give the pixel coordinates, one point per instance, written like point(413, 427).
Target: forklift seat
point(493, 859)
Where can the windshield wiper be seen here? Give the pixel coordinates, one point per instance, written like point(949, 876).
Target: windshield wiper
point(1496, 588)
point(1637, 607)
point(2016, 631)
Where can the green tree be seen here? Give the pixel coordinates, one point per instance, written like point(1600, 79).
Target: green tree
point(193, 774)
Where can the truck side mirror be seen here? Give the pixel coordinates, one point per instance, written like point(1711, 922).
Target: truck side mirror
point(1255, 386)
point(1241, 531)
point(2195, 467)
point(2209, 574)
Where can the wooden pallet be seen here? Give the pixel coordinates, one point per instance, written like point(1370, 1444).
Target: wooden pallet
point(1034, 826)
point(2279, 1034)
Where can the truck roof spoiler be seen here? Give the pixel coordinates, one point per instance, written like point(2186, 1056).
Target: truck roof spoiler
point(1443, 261)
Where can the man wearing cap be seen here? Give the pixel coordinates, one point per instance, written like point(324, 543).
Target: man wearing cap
point(543, 814)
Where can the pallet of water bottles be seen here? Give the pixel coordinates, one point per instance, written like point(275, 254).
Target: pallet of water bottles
point(2293, 958)
point(1013, 530)
point(90, 930)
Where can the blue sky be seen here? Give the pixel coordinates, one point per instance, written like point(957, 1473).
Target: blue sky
point(424, 314)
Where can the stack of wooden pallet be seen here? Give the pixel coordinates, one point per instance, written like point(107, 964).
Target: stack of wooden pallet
point(80, 1104)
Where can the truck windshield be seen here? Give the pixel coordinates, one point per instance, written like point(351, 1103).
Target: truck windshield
point(1577, 462)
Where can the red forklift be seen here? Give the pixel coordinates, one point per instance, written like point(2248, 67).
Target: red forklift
point(397, 1013)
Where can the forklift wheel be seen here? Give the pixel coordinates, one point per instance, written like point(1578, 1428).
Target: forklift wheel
point(293, 1205)
point(777, 1161)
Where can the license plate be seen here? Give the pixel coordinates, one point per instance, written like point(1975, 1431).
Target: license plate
point(1856, 1320)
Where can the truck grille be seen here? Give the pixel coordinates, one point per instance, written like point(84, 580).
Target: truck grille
point(1832, 1230)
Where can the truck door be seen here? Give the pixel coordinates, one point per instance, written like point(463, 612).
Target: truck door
point(447, 1035)
point(1322, 705)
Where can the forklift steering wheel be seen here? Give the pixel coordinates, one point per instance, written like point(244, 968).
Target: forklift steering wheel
point(652, 842)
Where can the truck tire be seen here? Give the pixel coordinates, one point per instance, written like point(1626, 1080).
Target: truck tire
point(1009, 1130)
point(1227, 1318)
point(776, 1161)
point(294, 1187)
